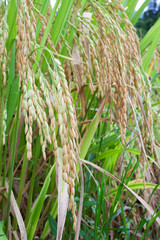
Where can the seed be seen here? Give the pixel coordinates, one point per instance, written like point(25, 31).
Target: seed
point(65, 177)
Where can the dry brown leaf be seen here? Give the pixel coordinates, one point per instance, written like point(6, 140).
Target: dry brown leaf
point(88, 17)
point(77, 70)
point(63, 198)
point(16, 212)
point(15, 235)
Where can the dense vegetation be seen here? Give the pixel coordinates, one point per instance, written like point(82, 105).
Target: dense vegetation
point(79, 121)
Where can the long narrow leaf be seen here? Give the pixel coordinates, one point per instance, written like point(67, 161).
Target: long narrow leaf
point(11, 20)
point(47, 30)
point(151, 34)
point(60, 21)
point(43, 12)
point(88, 137)
point(150, 51)
point(135, 185)
point(137, 15)
point(31, 227)
point(131, 7)
point(18, 215)
point(63, 198)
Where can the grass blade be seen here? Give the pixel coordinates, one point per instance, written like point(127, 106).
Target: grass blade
point(11, 20)
point(13, 150)
point(137, 15)
point(43, 11)
point(63, 198)
point(18, 216)
point(148, 38)
point(87, 139)
point(34, 217)
point(61, 19)
point(150, 224)
point(124, 221)
point(131, 7)
point(47, 30)
point(150, 51)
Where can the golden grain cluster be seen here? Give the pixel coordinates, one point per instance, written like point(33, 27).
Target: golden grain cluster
point(110, 60)
point(41, 102)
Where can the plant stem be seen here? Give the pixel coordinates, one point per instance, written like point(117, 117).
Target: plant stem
point(13, 149)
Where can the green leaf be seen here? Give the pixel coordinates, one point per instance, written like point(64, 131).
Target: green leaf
point(108, 141)
point(151, 50)
point(150, 224)
point(32, 224)
point(137, 15)
point(12, 100)
point(11, 74)
point(43, 12)
point(87, 139)
point(108, 153)
point(89, 203)
point(47, 30)
point(125, 2)
point(61, 19)
point(70, 39)
point(52, 224)
point(154, 104)
point(131, 7)
point(149, 37)
point(111, 157)
point(134, 151)
point(53, 213)
point(2, 235)
point(124, 221)
point(135, 185)
point(11, 21)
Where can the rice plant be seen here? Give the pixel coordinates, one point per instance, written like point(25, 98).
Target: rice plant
point(75, 91)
